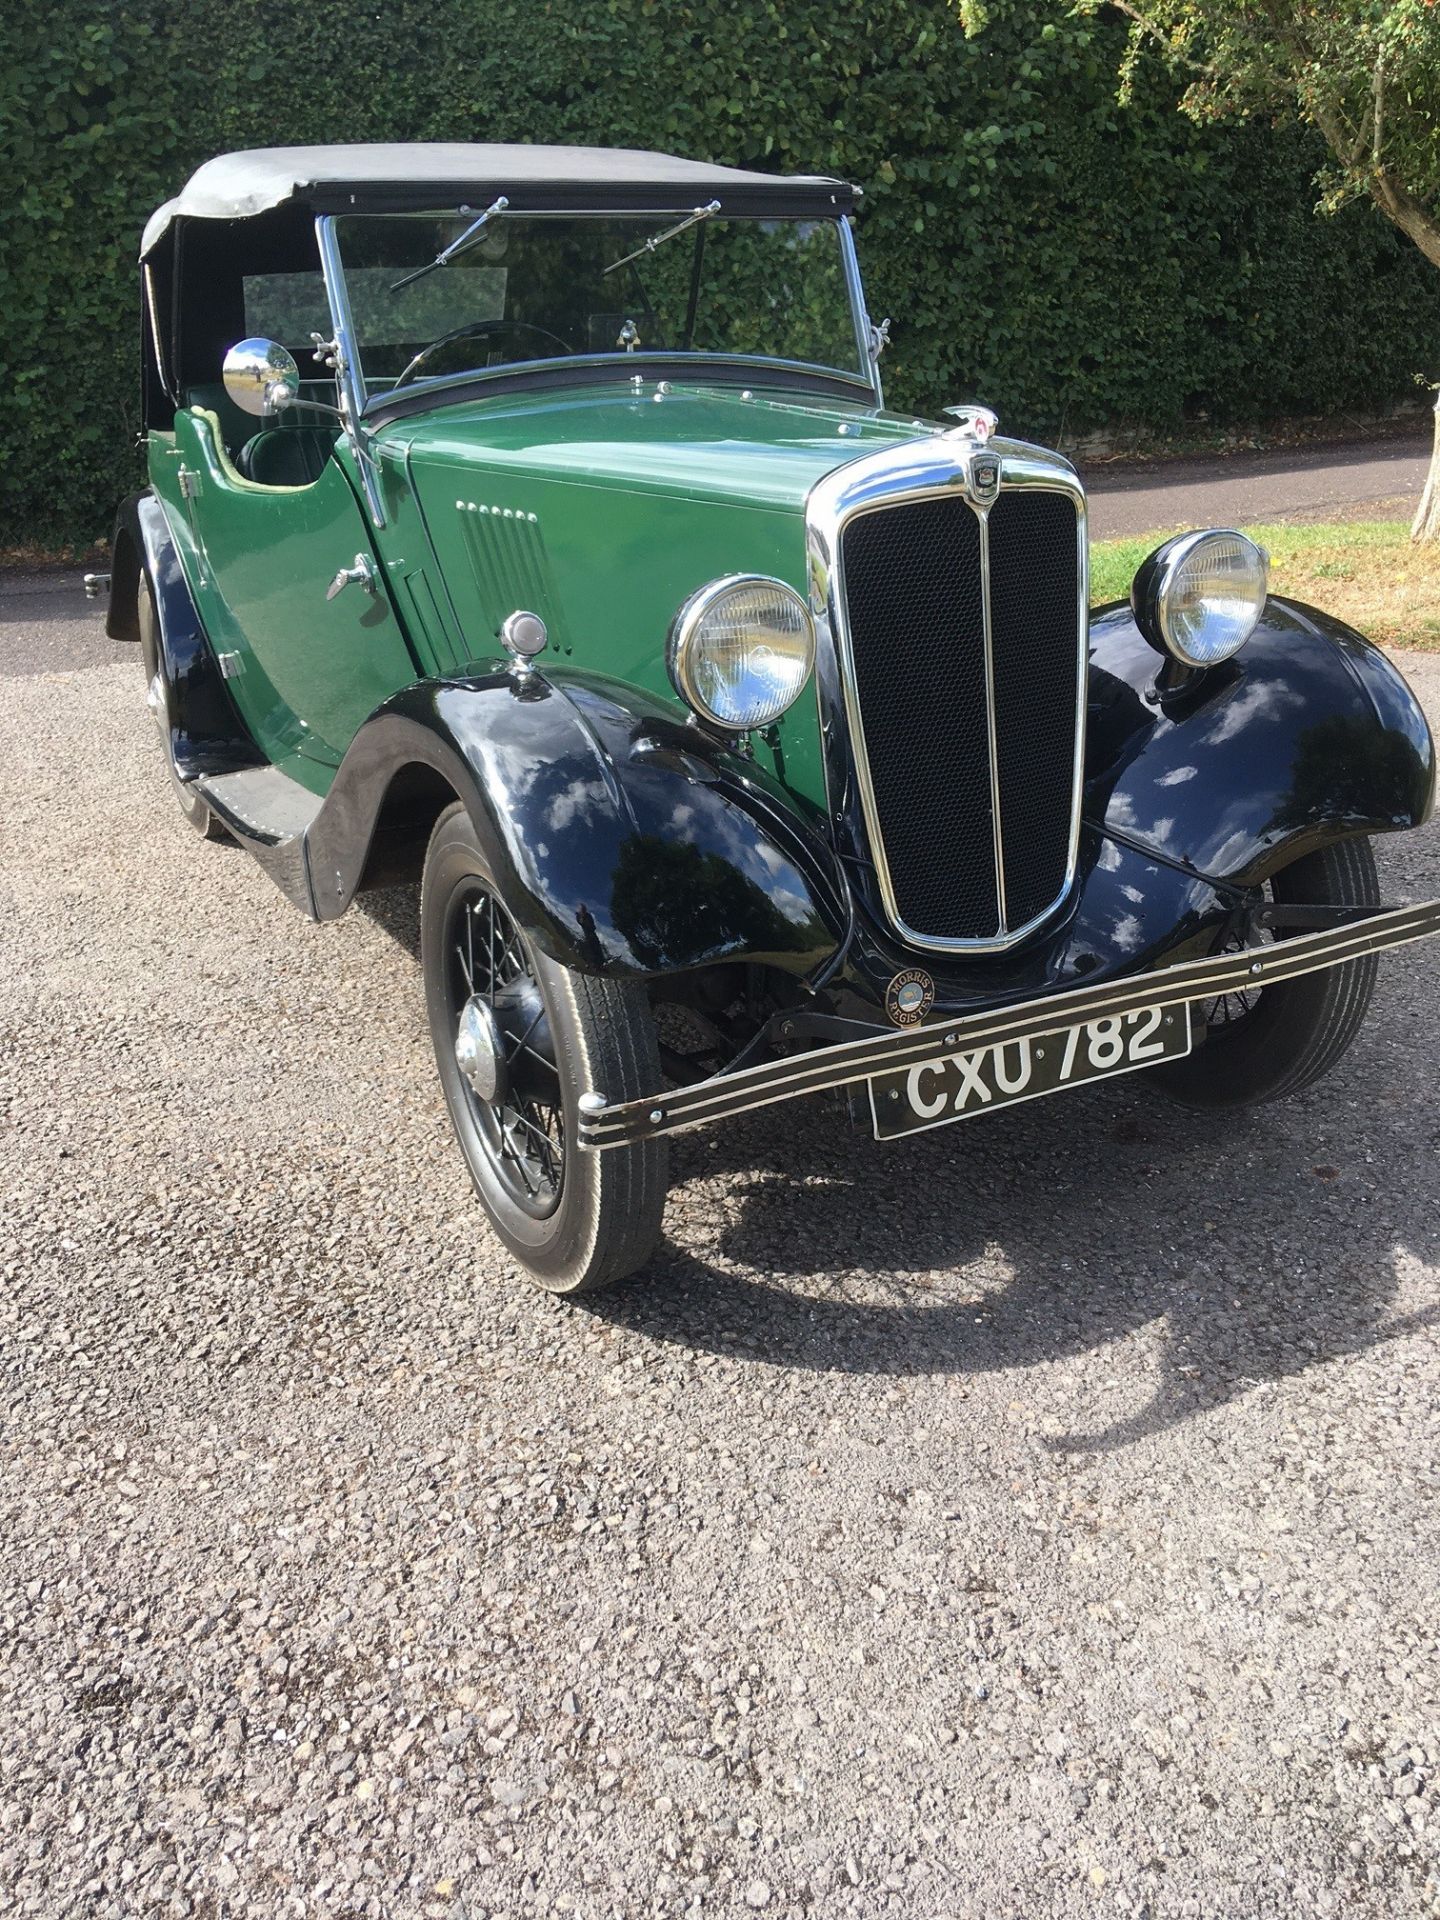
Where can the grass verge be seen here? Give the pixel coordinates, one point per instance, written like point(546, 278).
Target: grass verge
point(1368, 573)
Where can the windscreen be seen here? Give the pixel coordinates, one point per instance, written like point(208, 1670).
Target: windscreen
point(547, 287)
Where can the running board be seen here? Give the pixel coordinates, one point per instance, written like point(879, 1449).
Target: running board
point(723, 1096)
point(270, 815)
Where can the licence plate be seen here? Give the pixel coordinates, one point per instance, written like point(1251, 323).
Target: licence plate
point(958, 1085)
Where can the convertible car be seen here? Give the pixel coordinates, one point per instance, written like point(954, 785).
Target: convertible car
point(529, 521)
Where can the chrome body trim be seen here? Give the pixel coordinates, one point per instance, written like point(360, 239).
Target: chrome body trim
point(351, 391)
point(860, 318)
point(726, 1095)
point(152, 314)
point(992, 742)
point(934, 468)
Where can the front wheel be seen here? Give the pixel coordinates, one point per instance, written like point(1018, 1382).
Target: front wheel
point(518, 1038)
point(1262, 1044)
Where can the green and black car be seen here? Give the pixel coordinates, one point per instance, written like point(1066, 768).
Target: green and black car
point(529, 521)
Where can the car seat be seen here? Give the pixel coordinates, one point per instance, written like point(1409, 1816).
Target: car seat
point(286, 456)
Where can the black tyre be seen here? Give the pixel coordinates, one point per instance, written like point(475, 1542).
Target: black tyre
point(517, 1040)
point(1262, 1045)
point(191, 805)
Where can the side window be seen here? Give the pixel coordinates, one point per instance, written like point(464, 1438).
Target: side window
point(287, 307)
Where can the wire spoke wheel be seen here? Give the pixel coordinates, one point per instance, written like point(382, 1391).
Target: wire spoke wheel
point(1225, 1012)
point(503, 1048)
point(519, 1038)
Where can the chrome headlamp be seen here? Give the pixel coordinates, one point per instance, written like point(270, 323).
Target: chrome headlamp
point(1199, 597)
point(741, 650)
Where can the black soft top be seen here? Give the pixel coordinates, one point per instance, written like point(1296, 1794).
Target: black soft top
point(430, 176)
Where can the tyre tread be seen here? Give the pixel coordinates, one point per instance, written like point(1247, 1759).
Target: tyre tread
point(1309, 1023)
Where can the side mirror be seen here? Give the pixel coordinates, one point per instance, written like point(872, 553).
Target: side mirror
point(261, 376)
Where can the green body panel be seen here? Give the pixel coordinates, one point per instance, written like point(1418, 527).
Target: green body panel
point(602, 509)
point(308, 670)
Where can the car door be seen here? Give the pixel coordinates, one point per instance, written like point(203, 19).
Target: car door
point(269, 556)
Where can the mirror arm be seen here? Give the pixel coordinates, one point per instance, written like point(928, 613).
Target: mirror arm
point(284, 400)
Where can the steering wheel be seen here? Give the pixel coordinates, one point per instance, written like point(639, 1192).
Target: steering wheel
point(471, 327)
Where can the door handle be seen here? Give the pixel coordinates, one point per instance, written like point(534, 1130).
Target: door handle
point(362, 574)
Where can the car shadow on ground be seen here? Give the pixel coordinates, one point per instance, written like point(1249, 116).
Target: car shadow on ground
point(1035, 1237)
point(1262, 1240)
point(396, 911)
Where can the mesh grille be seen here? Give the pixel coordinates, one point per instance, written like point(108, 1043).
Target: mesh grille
point(1034, 580)
point(915, 614)
point(917, 638)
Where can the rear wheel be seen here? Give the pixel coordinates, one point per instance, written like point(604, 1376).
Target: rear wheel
point(518, 1039)
point(191, 805)
point(1264, 1044)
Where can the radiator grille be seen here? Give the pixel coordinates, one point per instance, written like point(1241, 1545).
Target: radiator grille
point(1033, 587)
point(915, 586)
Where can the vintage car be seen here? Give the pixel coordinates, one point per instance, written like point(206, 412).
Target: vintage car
point(529, 521)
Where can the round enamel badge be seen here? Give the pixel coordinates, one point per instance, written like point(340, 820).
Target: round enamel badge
point(909, 997)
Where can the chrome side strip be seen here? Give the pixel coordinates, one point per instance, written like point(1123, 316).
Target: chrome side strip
point(853, 1060)
point(992, 739)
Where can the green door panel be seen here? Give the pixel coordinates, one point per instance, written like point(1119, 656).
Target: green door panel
point(309, 670)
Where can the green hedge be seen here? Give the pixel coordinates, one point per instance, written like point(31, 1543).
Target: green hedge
point(1072, 264)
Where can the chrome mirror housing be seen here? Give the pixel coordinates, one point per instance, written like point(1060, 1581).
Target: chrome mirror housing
point(261, 376)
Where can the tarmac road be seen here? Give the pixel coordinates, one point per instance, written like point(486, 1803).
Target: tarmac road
point(1033, 1519)
point(1356, 480)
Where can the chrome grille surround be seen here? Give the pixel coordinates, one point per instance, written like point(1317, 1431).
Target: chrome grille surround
point(936, 467)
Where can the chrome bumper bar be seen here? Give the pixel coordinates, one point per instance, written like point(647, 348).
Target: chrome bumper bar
point(725, 1095)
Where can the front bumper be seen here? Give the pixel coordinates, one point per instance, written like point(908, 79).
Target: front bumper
point(852, 1061)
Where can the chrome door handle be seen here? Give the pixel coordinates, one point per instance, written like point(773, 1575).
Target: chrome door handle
point(362, 574)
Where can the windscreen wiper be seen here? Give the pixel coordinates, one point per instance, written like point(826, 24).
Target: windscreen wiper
point(443, 258)
point(659, 239)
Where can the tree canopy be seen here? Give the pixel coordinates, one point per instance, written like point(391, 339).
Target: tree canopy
point(1365, 73)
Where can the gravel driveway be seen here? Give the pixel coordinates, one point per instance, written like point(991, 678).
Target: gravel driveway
point(1035, 1519)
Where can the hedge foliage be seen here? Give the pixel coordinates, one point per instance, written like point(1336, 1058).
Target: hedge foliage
point(1068, 261)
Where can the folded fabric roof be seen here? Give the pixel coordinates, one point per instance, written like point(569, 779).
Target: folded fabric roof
point(424, 176)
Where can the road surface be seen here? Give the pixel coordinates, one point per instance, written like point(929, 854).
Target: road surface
point(1368, 480)
point(1031, 1521)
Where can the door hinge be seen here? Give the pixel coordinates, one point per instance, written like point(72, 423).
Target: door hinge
point(230, 665)
point(189, 483)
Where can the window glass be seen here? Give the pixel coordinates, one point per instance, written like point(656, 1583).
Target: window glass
point(535, 287)
point(287, 307)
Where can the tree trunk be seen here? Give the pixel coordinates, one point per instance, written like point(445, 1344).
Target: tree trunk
point(1415, 221)
point(1426, 524)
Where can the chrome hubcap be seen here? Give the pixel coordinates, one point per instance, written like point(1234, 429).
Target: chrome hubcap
point(478, 1050)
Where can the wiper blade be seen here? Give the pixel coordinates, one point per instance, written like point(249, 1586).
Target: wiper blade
point(443, 258)
point(659, 239)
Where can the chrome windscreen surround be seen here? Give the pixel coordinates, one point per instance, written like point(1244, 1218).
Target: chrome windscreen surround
point(939, 466)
